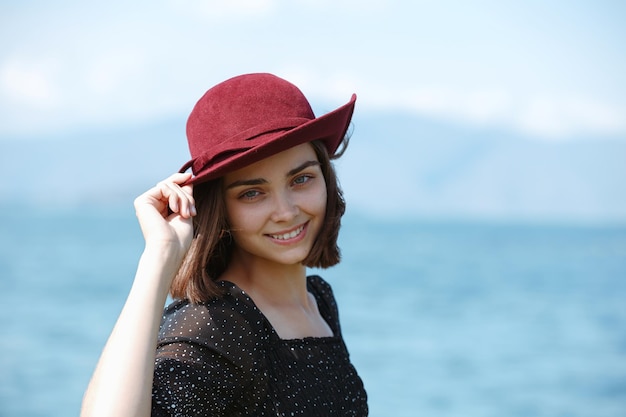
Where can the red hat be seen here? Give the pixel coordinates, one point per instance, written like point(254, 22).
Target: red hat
point(250, 117)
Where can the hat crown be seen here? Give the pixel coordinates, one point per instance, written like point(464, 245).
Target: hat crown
point(245, 107)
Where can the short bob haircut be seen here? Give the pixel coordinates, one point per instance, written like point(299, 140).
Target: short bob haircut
point(212, 245)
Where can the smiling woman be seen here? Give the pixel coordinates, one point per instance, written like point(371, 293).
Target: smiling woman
point(249, 333)
point(278, 219)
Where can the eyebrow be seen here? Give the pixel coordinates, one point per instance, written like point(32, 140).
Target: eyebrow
point(302, 167)
point(259, 181)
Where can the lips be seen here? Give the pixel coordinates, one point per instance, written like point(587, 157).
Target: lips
point(288, 235)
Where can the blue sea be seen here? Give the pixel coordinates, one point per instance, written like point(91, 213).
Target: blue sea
point(463, 319)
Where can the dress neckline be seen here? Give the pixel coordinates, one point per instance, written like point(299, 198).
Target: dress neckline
point(274, 334)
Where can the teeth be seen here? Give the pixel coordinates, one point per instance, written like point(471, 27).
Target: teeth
point(289, 235)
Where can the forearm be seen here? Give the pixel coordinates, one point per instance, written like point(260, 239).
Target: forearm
point(122, 382)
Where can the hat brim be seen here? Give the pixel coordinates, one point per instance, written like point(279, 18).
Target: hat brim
point(329, 128)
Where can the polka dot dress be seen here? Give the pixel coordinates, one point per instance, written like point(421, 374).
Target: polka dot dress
point(223, 358)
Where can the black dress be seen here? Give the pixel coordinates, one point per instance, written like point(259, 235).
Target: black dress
point(223, 358)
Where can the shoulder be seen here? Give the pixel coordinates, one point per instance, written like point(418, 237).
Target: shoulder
point(230, 325)
point(321, 289)
point(323, 293)
point(319, 284)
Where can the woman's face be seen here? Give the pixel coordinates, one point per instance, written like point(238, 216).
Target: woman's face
point(276, 207)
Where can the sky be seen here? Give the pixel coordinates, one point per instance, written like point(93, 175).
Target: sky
point(554, 69)
point(549, 71)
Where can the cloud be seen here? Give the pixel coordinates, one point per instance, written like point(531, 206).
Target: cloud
point(352, 5)
point(114, 85)
point(38, 96)
point(139, 61)
point(535, 113)
point(224, 9)
point(559, 117)
point(112, 71)
point(29, 84)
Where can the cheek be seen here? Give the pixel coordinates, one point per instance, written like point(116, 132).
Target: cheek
point(242, 224)
point(317, 200)
point(236, 216)
point(247, 219)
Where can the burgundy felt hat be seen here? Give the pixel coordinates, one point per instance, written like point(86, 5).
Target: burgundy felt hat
point(250, 117)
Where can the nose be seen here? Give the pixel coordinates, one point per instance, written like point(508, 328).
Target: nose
point(285, 207)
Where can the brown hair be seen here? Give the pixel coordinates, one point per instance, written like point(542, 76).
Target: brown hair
point(212, 245)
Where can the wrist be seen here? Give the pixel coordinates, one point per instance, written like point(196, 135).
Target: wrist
point(164, 252)
point(158, 266)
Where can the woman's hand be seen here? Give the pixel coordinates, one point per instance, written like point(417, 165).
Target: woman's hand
point(122, 382)
point(165, 214)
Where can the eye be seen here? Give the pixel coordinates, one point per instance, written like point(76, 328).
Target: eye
point(302, 179)
point(249, 195)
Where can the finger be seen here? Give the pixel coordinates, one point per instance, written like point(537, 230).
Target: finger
point(188, 190)
point(168, 197)
point(172, 194)
point(189, 205)
point(179, 201)
point(153, 197)
point(180, 179)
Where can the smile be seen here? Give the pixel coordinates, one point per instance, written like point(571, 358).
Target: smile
point(289, 235)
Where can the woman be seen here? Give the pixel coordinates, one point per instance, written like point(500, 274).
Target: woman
point(249, 334)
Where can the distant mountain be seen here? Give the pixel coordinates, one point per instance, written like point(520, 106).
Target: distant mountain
point(397, 164)
point(106, 166)
point(404, 164)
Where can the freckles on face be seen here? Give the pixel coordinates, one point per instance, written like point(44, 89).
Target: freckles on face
point(277, 206)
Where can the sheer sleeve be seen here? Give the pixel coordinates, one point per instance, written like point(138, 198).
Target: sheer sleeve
point(210, 359)
point(192, 380)
point(326, 302)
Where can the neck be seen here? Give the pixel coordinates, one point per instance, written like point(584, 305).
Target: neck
point(280, 292)
point(269, 282)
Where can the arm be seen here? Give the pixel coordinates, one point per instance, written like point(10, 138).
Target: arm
point(122, 382)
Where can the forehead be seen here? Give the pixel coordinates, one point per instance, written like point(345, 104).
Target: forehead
point(278, 164)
